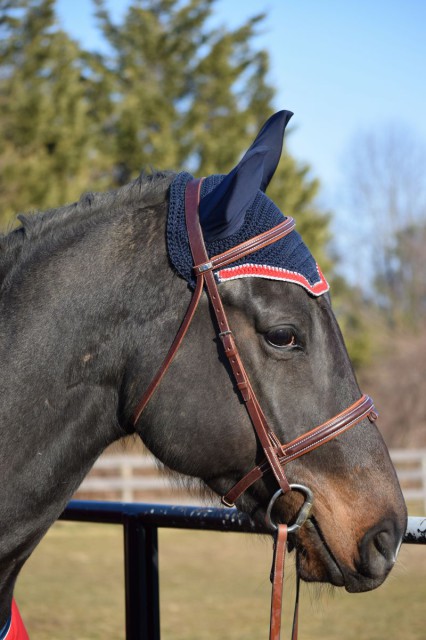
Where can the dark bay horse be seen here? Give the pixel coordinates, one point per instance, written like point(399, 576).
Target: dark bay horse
point(91, 296)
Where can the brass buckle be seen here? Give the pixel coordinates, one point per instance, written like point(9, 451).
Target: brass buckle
point(226, 503)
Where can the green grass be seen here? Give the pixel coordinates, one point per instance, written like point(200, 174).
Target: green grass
point(213, 586)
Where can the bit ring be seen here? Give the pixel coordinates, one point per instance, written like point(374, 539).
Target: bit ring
point(304, 511)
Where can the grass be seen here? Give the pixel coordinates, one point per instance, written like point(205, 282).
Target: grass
point(213, 586)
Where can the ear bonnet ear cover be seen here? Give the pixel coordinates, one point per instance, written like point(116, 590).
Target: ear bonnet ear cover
point(238, 211)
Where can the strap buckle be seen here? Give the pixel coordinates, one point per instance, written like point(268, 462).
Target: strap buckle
point(201, 268)
point(224, 501)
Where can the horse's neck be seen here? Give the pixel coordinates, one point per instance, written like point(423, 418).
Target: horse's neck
point(76, 330)
point(41, 472)
point(59, 397)
point(10, 248)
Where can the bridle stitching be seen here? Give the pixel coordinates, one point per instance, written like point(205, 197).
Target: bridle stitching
point(326, 426)
point(318, 441)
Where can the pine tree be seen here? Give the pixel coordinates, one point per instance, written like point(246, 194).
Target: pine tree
point(179, 85)
point(189, 96)
point(173, 93)
point(46, 129)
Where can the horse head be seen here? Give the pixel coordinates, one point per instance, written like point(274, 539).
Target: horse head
point(279, 308)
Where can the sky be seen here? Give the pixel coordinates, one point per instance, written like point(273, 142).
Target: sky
point(341, 66)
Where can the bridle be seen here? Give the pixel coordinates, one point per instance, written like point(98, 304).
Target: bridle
point(277, 455)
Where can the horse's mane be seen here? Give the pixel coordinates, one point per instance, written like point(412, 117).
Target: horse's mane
point(145, 190)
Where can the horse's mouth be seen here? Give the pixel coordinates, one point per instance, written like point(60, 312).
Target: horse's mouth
point(316, 562)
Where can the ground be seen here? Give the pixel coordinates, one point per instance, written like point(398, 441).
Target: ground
point(213, 585)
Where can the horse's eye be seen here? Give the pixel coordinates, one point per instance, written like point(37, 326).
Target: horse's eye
point(282, 337)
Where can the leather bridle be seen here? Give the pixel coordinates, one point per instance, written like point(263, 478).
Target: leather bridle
point(277, 455)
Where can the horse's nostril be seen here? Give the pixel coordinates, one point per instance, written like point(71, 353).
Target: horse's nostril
point(378, 550)
point(384, 544)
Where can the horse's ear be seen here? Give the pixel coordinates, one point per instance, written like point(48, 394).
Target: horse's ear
point(222, 211)
point(271, 136)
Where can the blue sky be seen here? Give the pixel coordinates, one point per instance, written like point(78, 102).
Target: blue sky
point(340, 66)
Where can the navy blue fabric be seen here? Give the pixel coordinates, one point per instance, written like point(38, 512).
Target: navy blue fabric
point(271, 135)
point(222, 210)
point(5, 629)
point(288, 253)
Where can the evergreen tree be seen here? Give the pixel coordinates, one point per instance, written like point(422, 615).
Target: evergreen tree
point(174, 92)
point(47, 131)
point(190, 96)
point(182, 91)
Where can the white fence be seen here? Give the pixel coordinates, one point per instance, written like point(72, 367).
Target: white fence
point(410, 465)
point(133, 478)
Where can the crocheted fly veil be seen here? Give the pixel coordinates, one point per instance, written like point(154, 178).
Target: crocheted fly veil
point(234, 208)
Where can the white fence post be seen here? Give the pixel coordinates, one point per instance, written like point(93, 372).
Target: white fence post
point(126, 470)
point(423, 469)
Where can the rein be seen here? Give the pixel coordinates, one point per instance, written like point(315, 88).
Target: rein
point(277, 455)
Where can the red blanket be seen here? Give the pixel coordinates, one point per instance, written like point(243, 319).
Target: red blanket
point(16, 630)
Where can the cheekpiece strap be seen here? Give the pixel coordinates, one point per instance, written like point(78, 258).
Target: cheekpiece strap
point(199, 254)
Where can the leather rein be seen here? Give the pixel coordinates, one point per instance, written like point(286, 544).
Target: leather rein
point(277, 455)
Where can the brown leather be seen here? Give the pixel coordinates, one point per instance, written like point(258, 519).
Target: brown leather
point(249, 246)
point(200, 256)
point(362, 408)
point(171, 353)
point(277, 579)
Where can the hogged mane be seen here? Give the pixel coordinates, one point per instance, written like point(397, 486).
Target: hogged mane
point(145, 190)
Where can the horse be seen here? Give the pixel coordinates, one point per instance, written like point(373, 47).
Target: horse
point(91, 295)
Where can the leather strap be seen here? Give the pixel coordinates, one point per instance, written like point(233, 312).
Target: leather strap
point(362, 408)
point(200, 256)
point(249, 246)
point(171, 353)
point(277, 579)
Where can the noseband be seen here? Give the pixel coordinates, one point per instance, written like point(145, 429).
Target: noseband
point(277, 455)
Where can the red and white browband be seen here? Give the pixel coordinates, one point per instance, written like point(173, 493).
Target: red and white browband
point(273, 273)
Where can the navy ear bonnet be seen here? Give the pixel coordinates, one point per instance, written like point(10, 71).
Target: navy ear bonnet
point(288, 259)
